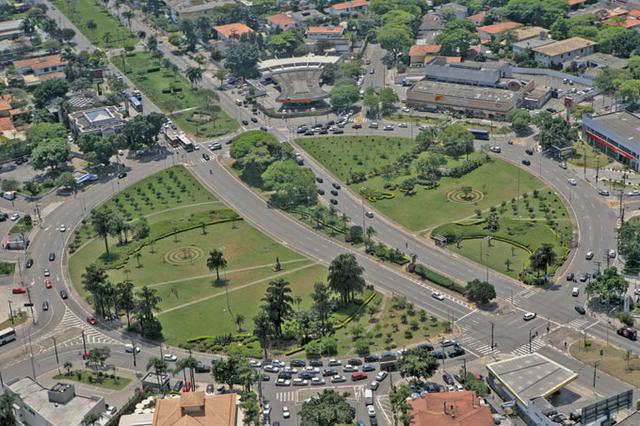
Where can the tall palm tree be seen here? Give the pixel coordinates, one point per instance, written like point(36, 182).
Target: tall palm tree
point(239, 321)
point(68, 365)
point(194, 74)
point(216, 261)
point(278, 301)
point(159, 367)
point(128, 15)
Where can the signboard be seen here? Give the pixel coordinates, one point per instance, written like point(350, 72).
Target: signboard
point(97, 76)
point(607, 406)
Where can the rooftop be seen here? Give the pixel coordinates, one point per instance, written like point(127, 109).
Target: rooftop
point(233, 30)
point(8, 26)
point(41, 62)
point(602, 60)
point(529, 32)
point(6, 124)
point(625, 23)
point(300, 86)
point(623, 123)
point(477, 17)
point(350, 4)
point(325, 30)
point(450, 409)
point(499, 27)
point(281, 19)
point(194, 408)
point(424, 49)
point(299, 61)
point(531, 376)
point(532, 43)
point(563, 46)
point(575, 2)
point(462, 95)
point(37, 398)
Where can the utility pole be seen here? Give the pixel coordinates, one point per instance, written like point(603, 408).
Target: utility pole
point(584, 162)
point(464, 367)
point(84, 345)
point(530, 330)
point(492, 336)
point(595, 370)
point(598, 263)
point(55, 348)
point(33, 318)
point(597, 169)
point(11, 314)
point(135, 363)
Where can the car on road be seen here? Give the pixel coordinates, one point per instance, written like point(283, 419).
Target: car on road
point(570, 276)
point(29, 263)
point(583, 277)
point(300, 382)
point(334, 362)
point(589, 255)
point(437, 295)
point(611, 253)
point(338, 379)
point(220, 389)
point(572, 181)
point(603, 192)
point(271, 369)
point(628, 332)
point(3, 216)
point(47, 282)
point(448, 342)
point(374, 385)
point(334, 192)
point(320, 191)
point(177, 386)
point(45, 305)
point(18, 290)
point(579, 309)
point(563, 165)
point(201, 367)
point(371, 411)
point(333, 201)
point(255, 120)
point(387, 128)
point(634, 193)
point(92, 320)
point(46, 272)
point(122, 175)
point(285, 412)
point(319, 179)
point(52, 257)
point(526, 162)
point(381, 376)
point(170, 357)
point(62, 228)
point(575, 292)
point(215, 146)
point(14, 217)
point(496, 149)
point(372, 71)
point(336, 185)
point(528, 151)
point(371, 358)
point(209, 389)
point(369, 214)
point(245, 122)
point(206, 156)
point(403, 125)
point(373, 125)
point(297, 363)
point(63, 294)
point(528, 316)
point(309, 133)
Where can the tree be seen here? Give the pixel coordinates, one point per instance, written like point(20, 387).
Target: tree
point(480, 292)
point(371, 101)
point(93, 281)
point(608, 79)
point(493, 221)
point(520, 120)
point(239, 319)
point(128, 16)
point(66, 180)
point(98, 356)
point(194, 75)
point(609, 287)
point(457, 37)
point(152, 44)
point(345, 277)
point(293, 185)
point(99, 149)
point(618, 41)
point(52, 154)
point(250, 409)
point(284, 43)
point(543, 257)
point(263, 329)
point(395, 38)
point(399, 406)
point(408, 185)
point(322, 304)
point(554, 131)
point(535, 12)
point(629, 91)
point(629, 244)
point(216, 261)
point(417, 363)
point(159, 367)
point(147, 302)
point(68, 365)
point(255, 151)
point(428, 165)
point(221, 74)
point(241, 59)
point(388, 98)
point(124, 291)
point(228, 370)
point(91, 419)
point(7, 400)
point(456, 140)
point(327, 409)
point(466, 190)
point(560, 28)
point(344, 96)
point(142, 131)
point(278, 303)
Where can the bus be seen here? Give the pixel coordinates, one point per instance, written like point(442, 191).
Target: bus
point(7, 335)
point(135, 103)
point(185, 143)
point(480, 134)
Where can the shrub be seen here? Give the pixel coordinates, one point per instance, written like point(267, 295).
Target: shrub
point(436, 278)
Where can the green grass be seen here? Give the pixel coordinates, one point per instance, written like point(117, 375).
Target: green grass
point(87, 10)
point(24, 225)
point(205, 126)
point(7, 268)
point(105, 381)
point(18, 318)
point(613, 361)
point(494, 256)
point(594, 158)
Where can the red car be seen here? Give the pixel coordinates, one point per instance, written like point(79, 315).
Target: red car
point(367, 61)
point(358, 376)
point(18, 290)
point(92, 320)
point(356, 126)
point(47, 282)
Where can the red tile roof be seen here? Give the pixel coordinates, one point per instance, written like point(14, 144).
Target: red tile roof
point(424, 49)
point(450, 409)
point(575, 2)
point(325, 30)
point(41, 62)
point(635, 13)
point(233, 30)
point(350, 4)
point(449, 59)
point(477, 17)
point(499, 27)
point(6, 124)
point(626, 23)
point(281, 19)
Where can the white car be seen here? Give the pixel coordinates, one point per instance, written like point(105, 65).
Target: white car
point(317, 381)
point(14, 216)
point(633, 193)
point(374, 385)
point(459, 387)
point(300, 382)
point(350, 368)
point(267, 410)
point(371, 411)
point(129, 348)
point(285, 412)
point(450, 388)
point(529, 316)
point(495, 149)
point(437, 295)
point(334, 362)
point(271, 369)
point(255, 363)
point(406, 109)
point(170, 357)
point(283, 382)
point(62, 228)
point(572, 181)
point(403, 125)
point(338, 379)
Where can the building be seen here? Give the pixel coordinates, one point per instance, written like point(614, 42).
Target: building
point(192, 10)
point(418, 52)
point(560, 52)
point(232, 32)
point(488, 74)
point(10, 30)
point(330, 32)
point(458, 10)
point(530, 43)
point(101, 121)
point(348, 8)
point(496, 31)
point(628, 22)
point(450, 409)
point(38, 406)
point(432, 25)
point(327, 38)
point(617, 134)
point(36, 70)
point(526, 33)
point(478, 18)
point(153, 381)
point(194, 408)
point(536, 98)
point(280, 21)
point(12, 49)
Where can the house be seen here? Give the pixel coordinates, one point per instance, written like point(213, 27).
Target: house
point(324, 38)
point(526, 33)
point(101, 121)
point(563, 51)
point(450, 409)
point(194, 408)
point(629, 22)
point(478, 18)
point(417, 52)
point(458, 10)
point(309, 15)
point(36, 405)
point(7, 129)
point(348, 8)
point(324, 33)
point(496, 31)
point(575, 4)
point(11, 49)
point(280, 21)
point(36, 70)
point(232, 32)
point(10, 30)
point(12, 108)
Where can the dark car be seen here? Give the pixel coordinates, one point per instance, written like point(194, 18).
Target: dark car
point(334, 192)
point(579, 309)
point(571, 276)
point(297, 363)
point(329, 372)
point(431, 387)
point(92, 320)
point(458, 378)
point(333, 201)
point(323, 132)
point(309, 133)
point(266, 378)
point(438, 354)
point(284, 375)
point(338, 131)
point(315, 363)
point(456, 351)
point(552, 110)
point(201, 367)
point(371, 358)
point(3, 216)
point(319, 179)
point(448, 379)
point(177, 386)
point(245, 122)
point(526, 162)
point(45, 306)
point(427, 346)
point(255, 120)
point(206, 156)
point(336, 185)
point(356, 126)
point(355, 361)
point(122, 175)
point(52, 257)
point(264, 129)
point(529, 151)
point(29, 263)
point(63, 294)
point(306, 375)
point(320, 191)
point(584, 277)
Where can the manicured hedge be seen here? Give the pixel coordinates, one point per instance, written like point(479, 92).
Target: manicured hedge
point(436, 278)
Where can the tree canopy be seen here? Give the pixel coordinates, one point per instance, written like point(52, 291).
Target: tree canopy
point(456, 140)
point(328, 408)
point(541, 13)
point(344, 96)
point(292, 185)
point(554, 131)
point(480, 292)
point(609, 286)
point(418, 363)
point(255, 151)
point(345, 276)
point(242, 59)
point(629, 237)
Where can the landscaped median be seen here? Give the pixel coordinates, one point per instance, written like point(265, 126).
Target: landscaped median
point(624, 365)
point(95, 378)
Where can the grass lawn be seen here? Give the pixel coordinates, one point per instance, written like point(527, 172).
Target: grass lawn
point(104, 381)
point(108, 33)
point(201, 125)
point(7, 268)
point(593, 157)
point(18, 318)
point(495, 256)
point(614, 361)
point(415, 119)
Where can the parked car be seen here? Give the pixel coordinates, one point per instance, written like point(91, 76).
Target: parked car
point(333, 201)
point(356, 126)
point(358, 376)
point(170, 357)
point(122, 175)
point(209, 389)
point(329, 372)
point(528, 316)
point(456, 351)
point(526, 162)
point(338, 379)
point(297, 363)
point(603, 192)
point(496, 149)
point(52, 257)
point(371, 358)
point(92, 320)
point(575, 292)
point(374, 385)
point(589, 255)
point(448, 379)
point(628, 332)
point(448, 342)
point(283, 382)
point(368, 367)
point(528, 151)
point(355, 361)
point(381, 376)
point(334, 362)
point(570, 276)
point(579, 309)
point(315, 363)
point(46, 272)
point(371, 411)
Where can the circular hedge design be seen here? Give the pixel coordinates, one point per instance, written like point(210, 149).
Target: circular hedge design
point(459, 197)
point(183, 255)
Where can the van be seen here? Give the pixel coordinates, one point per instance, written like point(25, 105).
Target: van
point(9, 195)
point(575, 292)
point(238, 102)
point(368, 396)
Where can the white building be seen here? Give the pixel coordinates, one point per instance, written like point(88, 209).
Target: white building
point(563, 51)
point(102, 121)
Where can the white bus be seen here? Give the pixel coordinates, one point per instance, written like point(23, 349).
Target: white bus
point(7, 335)
point(185, 143)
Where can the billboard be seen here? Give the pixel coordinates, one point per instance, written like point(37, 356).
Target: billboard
point(607, 406)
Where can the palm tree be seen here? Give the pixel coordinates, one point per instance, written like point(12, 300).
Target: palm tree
point(191, 363)
point(159, 367)
point(216, 261)
point(68, 365)
point(370, 232)
point(125, 300)
point(278, 303)
point(6, 409)
point(138, 256)
point(345, 276)
point(106, 37)
point(239, 321)
point(101, 222)
point(194, 74)
point(128, 15)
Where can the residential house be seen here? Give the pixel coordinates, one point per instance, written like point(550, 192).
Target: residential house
point(310, 15)
point(13, 108)
point(7, 129)
point(575, 4)
point(417, 52)
point(36, 70)
point(232, 32)
point(101, 121)
point(348, 8)
point(496, 31)
point(196, 408)
point(563, 51)
point(280, 21)
point(526, 33)
point(10, 30)
point(531, 43)
point(11, 49)
point(327, 37)
point(450, 409)
point(324, 33)
point(478, 18)
point(628, 22)
point(431, 26)
point(458, 10)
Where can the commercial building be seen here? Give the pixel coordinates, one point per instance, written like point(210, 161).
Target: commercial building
point(488, 74)
point(450, 409)
point(348, 8)
point(194, 408)
point(101, 121)
point(36, 70)
point(458, 10)
point(38, 406)
point(617, 134)
point(232, 32)
point(496, 31)
point(531, 43)
point(563, 51)
point(10, 30)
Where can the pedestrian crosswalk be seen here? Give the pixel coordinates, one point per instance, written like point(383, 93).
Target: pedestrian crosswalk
point(536, 344)
point(523, 295)
point(93, 336)
point(470, 343)
point(579, 323)
point(286, 396)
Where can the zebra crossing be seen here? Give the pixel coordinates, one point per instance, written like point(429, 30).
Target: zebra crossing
point(536, 345)
point(286, 396)
point(579, 323)
point(93, 336)
point(474, 345)
point(523, 295)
